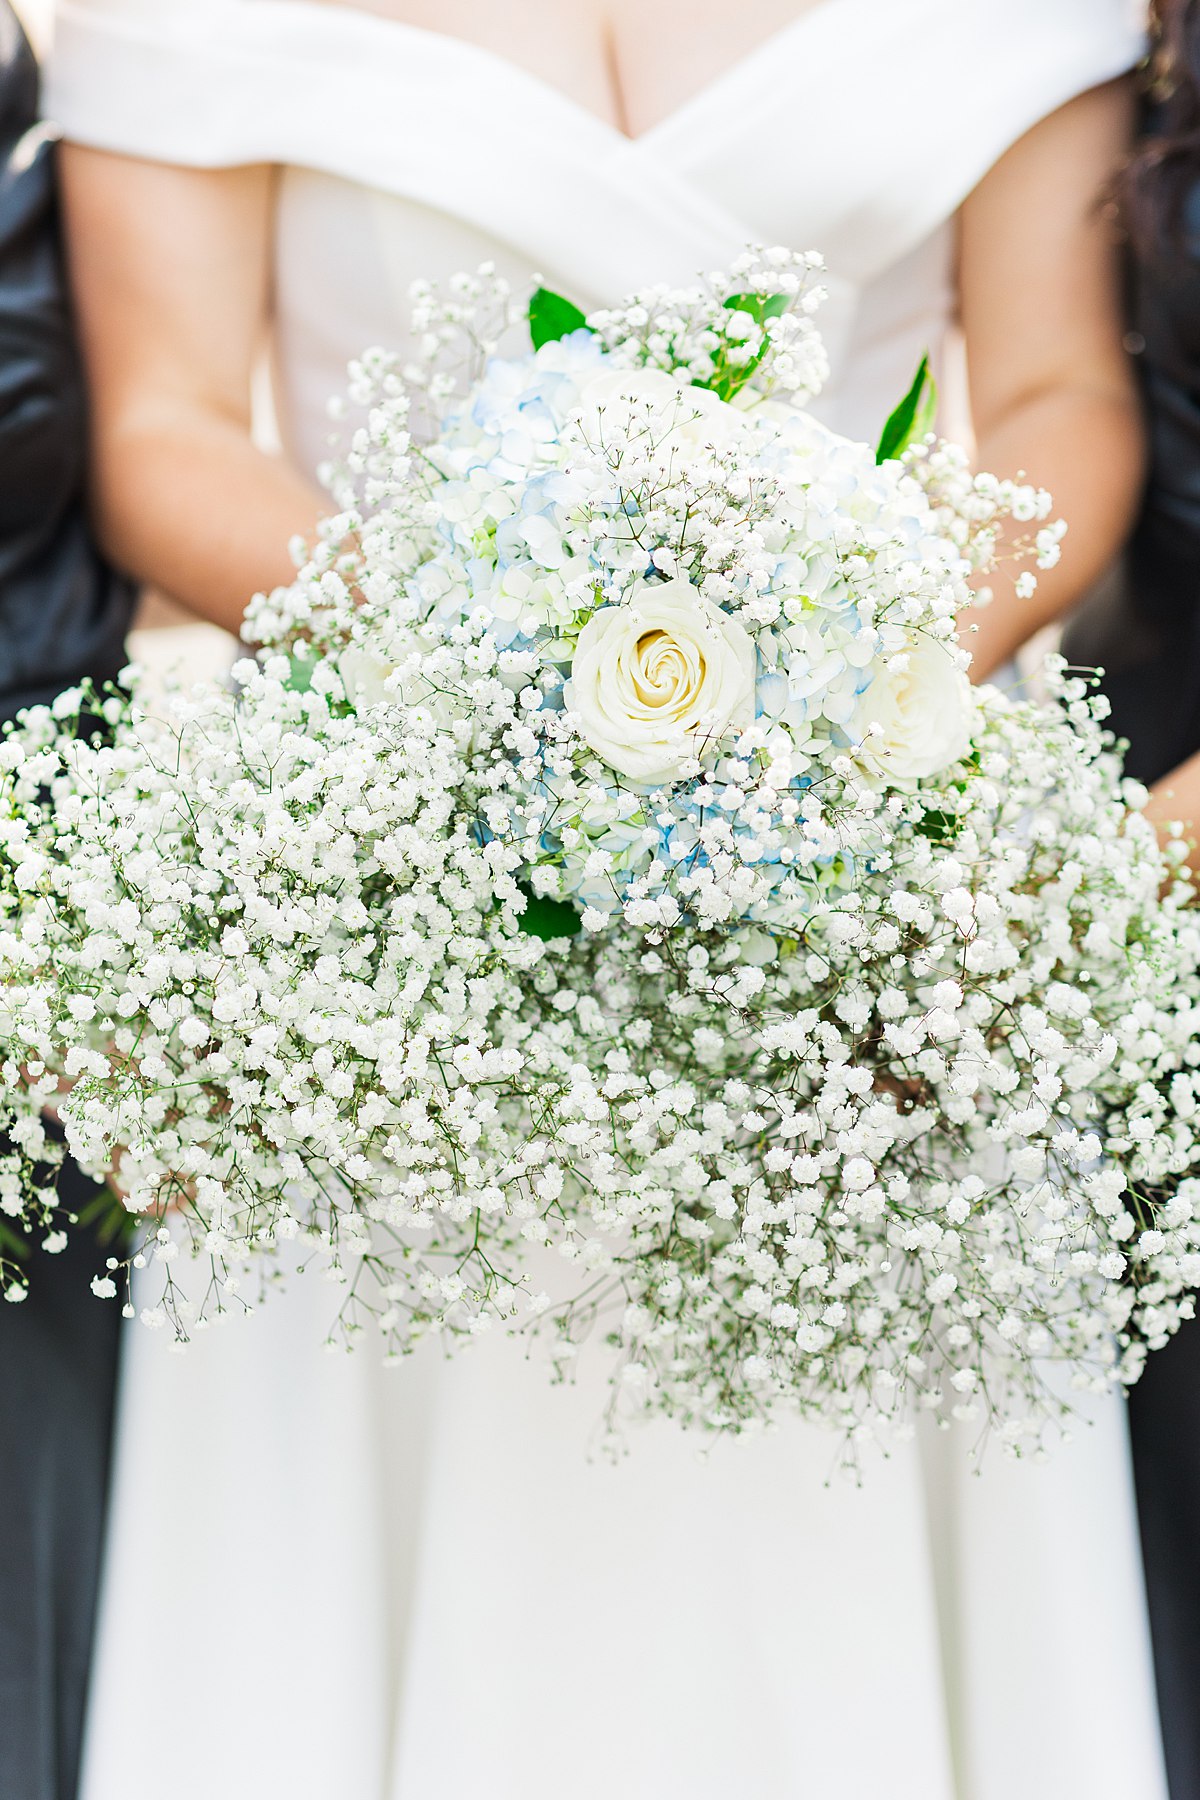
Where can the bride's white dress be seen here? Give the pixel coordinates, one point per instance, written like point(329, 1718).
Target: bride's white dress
point(328, 1580)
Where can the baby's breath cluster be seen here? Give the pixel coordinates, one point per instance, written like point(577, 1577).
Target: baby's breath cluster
point(605, 908)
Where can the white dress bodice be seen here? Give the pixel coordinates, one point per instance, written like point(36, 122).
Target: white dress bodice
point(334, 1582)
point(857, 130)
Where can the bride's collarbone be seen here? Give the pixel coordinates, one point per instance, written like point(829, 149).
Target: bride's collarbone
point(633, 63)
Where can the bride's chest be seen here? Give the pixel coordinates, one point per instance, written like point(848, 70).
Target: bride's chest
point(630, 63)
point(810, 138)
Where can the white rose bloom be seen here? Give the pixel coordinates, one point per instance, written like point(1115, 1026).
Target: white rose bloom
point(364, 677)
point(367, 679)
point(658, 678)
point(916, 721)
point(614, 405)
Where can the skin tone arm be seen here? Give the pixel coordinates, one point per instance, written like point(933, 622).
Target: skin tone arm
point(1051, 391)
point(1177, 797)
point(171, 275)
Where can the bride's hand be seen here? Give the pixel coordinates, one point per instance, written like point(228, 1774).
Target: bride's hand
point(179, 1200)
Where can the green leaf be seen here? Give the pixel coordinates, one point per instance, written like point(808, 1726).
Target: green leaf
point(939, 827)
point(912, 418)
point(759, 306)
point(108, 1217)
point(728, 378)
point(551, 317)
point(548, 919)
point(13, 1243)
point(300, 674)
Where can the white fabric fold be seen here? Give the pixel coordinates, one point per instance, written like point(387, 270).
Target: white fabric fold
point(328, 87)
point(350, 93)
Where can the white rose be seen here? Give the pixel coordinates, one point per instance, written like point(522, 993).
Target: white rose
point(915, 721)
point(365, 677)
point(371, 680)
point(658, 678)
point(617, 403)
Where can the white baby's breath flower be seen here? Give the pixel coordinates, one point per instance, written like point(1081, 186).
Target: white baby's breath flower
point(822, 1056)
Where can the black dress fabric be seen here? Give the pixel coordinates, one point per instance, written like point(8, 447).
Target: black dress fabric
point(1143, 626)
point(58, 1365)
point(63, 615)
point(1143, 629)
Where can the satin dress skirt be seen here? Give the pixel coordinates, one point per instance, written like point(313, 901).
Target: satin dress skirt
point(331, 1580)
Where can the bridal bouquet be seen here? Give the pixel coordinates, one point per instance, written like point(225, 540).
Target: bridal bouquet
point(604, 906)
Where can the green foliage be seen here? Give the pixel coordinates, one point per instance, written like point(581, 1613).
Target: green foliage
point(938, 827)
point(761, 307)
point(548, 919)
point(552, 316)
point(944, 827)
point(912, 418)
point(729, 377)
point(12, 1244)
point(109, 1219)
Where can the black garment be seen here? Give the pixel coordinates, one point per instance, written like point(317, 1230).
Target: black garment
point(58, 1359)
point(1143, 629)
point(63, 615)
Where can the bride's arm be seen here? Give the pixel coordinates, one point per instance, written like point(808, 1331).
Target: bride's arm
point(171, 276)
point(1051, 390)
point(1177, 797)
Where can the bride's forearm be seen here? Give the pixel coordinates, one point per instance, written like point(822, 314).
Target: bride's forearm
point(1051, 391)
point(1085, 446)
point(172, 278)
point(191, 505)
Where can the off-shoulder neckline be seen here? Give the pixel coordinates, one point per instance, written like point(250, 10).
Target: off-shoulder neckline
point(483, 57)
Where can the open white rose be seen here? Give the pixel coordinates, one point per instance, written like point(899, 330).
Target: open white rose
point(915, 721)
point(365, 676)
point(616, 404)
point(659, 678)
point(371, 680)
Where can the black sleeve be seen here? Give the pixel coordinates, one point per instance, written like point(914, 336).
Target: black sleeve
point(63, 612)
